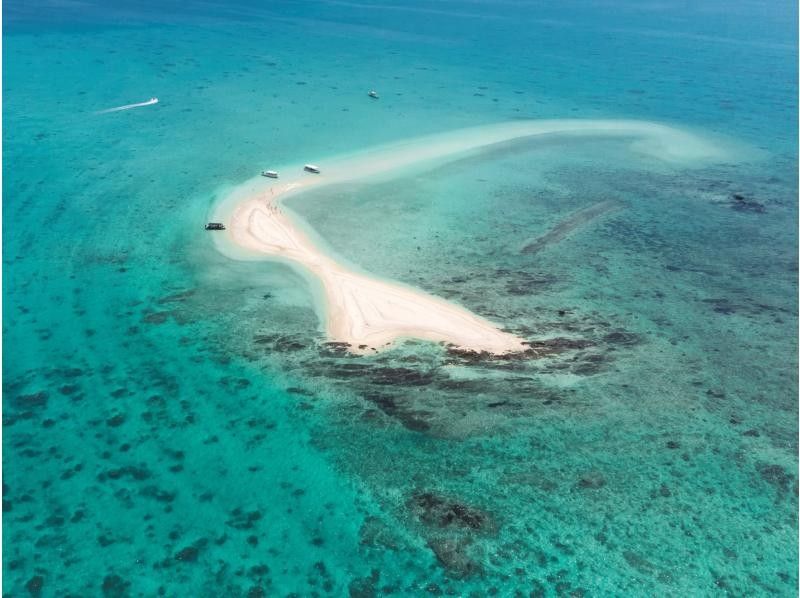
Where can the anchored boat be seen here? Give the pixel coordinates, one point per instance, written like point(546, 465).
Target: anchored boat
point(215, 226)
point(373, 94)
point(311, 168)
point(270, 174)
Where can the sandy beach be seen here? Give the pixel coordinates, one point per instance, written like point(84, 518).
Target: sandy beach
point(368, 313)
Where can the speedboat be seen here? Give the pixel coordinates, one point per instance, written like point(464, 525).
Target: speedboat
point(311, 168)
point(373, 94)
point(271, 174)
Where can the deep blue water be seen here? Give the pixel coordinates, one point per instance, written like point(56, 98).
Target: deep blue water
point(173, 421)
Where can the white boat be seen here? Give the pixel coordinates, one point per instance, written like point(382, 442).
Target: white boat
point(373, 94)
point(311, 168)
point(271, 174)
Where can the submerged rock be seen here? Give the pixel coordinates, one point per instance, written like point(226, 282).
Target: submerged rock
point(452, 555)
point(587, 369)
point(115, 421)
point(741, 203)
point(440, 512)
point(283, 343)
point(400, 376)
point(188, 554)
point(591, 481)
point(339, 371)
point(158, 494)
point(502, 361)
point(138, 473)
point(364, 587)
point(621, 338)
point(35, 585)
point(775, 475)
point(31, 401)
point(721, 305)
point(114, 586)
point(377, 534)
point(558, 344)
point(638, 562)
point(176, 297)
point(395, 408)
point(469, 355)
point(242, 520)
point(158, 317)
point(336, 349)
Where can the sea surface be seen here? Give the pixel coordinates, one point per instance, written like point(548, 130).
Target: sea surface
point(174, 422)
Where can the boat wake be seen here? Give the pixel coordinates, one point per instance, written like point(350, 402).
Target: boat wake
point(149, 102)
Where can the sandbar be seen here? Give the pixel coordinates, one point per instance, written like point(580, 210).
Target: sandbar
point(366, 312)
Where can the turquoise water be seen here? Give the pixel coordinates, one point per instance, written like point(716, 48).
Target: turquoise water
point(174, 423)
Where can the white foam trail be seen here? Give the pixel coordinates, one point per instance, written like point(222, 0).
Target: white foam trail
point(149, 102)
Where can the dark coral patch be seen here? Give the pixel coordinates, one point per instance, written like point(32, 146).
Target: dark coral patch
point(35, 585)
point(35, 400)
point(440, 512)
point(452, 555)
point(621, 338)
point(776, 476)
point(188, 554)
point(115, 421)
point(592, 480)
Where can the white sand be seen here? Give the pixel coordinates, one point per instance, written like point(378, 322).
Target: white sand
point(368, 313)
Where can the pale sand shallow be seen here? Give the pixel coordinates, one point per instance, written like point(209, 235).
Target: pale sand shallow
point(368, 313)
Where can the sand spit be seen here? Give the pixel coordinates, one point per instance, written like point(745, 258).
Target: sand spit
point(368, 313)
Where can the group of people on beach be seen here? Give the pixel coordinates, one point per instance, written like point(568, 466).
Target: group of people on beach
point(272, 206)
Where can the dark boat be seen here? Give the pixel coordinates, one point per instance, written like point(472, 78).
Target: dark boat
point(215, 226)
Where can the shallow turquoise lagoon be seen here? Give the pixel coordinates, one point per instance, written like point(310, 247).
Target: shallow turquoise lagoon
point(174, 422)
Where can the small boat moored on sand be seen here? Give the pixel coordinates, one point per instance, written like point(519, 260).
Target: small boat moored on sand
point(373, 94)
point(311, 168)
point(270, 174)
point(215, 226)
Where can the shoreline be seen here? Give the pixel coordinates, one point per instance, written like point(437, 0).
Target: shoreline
point(368, 313)
point(365, 312)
